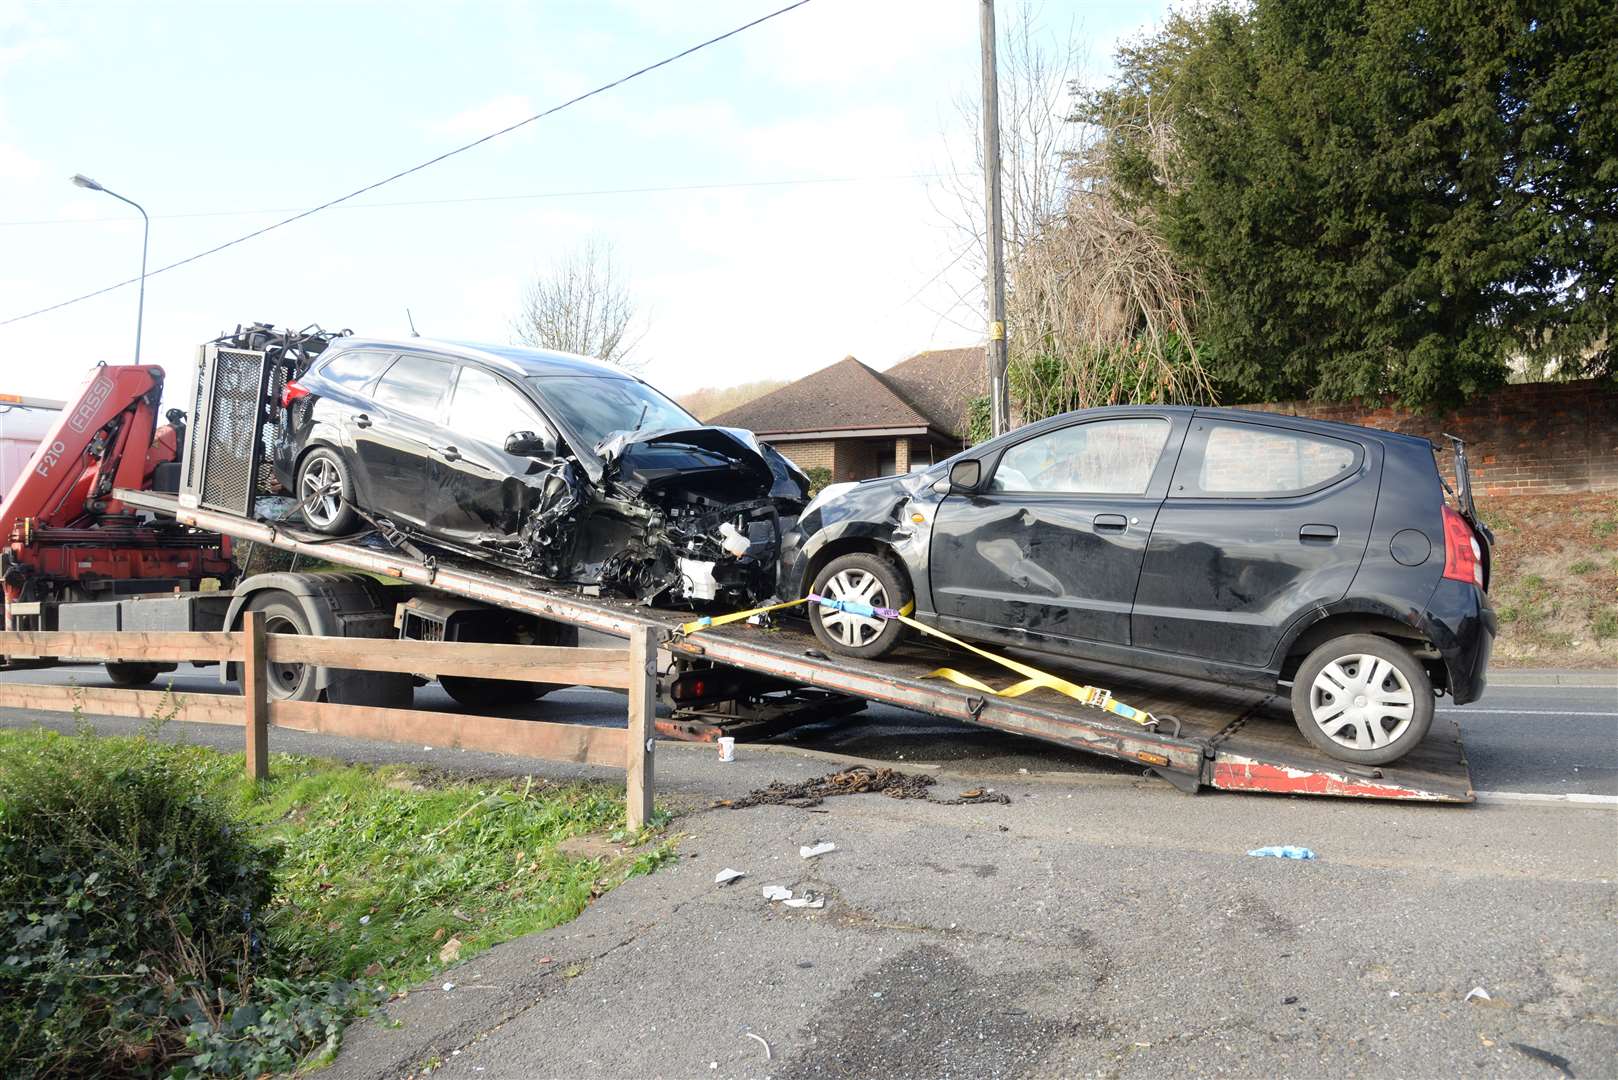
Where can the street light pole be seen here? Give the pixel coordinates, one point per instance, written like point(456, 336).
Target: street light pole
point(995, 350)
point(146, 235)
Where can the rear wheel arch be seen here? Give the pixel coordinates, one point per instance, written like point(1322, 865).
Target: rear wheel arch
point(1341, 624)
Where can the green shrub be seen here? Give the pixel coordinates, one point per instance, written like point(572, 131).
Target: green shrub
point(819, 477)
point(131, 912)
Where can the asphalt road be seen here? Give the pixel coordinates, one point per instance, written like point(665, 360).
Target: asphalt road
point(1557, 736)
point(1090, 928)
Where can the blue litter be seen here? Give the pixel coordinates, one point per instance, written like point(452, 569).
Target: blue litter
point(1287, 852)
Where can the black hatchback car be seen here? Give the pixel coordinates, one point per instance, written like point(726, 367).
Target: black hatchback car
point(1239, 547)
point(555, 464)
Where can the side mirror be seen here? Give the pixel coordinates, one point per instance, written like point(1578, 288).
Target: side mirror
point(528, 444)
point(964, 475)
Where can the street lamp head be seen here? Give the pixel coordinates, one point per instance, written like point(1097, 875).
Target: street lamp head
point(85, 182)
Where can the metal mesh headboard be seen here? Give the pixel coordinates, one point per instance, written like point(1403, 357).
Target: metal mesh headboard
point(225, 441)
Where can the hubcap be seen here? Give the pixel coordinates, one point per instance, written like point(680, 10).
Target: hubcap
point(861, 587)
point(322, 492)
point(283, 678)
point(1362, 702)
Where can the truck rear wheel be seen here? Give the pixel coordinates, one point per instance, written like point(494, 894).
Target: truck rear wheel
point(283, 615)
point(301, 682)
point(131, 675)
point(491, 693)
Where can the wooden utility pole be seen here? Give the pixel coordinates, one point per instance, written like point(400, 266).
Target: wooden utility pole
point(995, 350)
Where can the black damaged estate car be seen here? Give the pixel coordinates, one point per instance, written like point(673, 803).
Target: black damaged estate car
point(1239, 547)
point(552, 463)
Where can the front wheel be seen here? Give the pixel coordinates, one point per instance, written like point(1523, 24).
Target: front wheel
point(866, 579)
point(1363, 699)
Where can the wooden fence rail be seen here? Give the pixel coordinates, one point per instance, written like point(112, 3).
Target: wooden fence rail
point(630, 669)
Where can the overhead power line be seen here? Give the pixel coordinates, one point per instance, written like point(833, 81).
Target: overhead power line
point(793, 182)
point(425, 164)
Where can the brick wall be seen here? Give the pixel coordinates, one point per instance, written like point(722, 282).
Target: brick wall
point(1527, 439)
point(813, 454)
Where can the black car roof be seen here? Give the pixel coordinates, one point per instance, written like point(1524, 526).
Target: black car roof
point(515, 360)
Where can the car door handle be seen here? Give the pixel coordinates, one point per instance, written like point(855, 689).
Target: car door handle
point(450, 453)
point(362, 420)
point(1111, 523)
point(1317, 532)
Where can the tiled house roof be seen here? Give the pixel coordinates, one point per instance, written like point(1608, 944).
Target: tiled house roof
point(931, 390)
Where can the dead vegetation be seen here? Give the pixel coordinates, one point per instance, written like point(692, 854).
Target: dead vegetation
point(1555, 580)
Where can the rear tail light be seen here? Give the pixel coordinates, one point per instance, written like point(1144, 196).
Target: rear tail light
point(1463, 558)
point(292, 393)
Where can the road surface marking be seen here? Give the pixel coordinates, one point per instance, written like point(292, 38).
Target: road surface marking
point(1463, 710)
point(1547, 797)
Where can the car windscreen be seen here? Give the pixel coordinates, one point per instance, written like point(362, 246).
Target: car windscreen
point(595, 406)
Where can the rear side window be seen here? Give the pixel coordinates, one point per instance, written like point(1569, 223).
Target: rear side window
point(354, 370)
point(488, 408)
point(415, 386)
point(1249, 459)
point(1107, 457)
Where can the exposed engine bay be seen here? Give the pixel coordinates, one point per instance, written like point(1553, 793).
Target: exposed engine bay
point(665, 524)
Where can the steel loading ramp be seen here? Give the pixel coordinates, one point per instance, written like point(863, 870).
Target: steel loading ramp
point(1228, 738)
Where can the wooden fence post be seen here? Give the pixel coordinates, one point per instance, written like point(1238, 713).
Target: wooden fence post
point(638, 781)
point(255, 695)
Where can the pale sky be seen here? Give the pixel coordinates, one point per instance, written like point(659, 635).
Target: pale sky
point(221, 117)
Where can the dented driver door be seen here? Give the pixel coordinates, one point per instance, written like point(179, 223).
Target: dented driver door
point(1049, 548)
point(484, 492)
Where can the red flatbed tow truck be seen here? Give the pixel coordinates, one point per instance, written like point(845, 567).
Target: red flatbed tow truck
point(69, 572)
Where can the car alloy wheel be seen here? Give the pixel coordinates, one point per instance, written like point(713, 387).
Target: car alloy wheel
point(1362, 702)
point(856, 586)
point(322, 492)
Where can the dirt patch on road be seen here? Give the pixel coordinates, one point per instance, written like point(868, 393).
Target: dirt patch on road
point(860, 780)
point(1555, 581)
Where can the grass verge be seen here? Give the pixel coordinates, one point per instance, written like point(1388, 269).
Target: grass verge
point(328, 886)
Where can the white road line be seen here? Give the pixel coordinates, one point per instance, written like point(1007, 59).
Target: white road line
point(1549, 685)
point(1546, 797)
point(1457, 710)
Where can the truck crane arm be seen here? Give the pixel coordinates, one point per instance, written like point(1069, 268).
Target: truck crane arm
point(64, 532)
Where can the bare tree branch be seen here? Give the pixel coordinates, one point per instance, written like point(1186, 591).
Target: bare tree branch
point(1098, 312)
point(582, 306)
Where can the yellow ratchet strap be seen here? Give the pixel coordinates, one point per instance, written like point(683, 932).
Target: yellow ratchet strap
point(1034, 679)
point(707, 622)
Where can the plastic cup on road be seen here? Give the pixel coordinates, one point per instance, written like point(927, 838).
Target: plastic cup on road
point(727, 748)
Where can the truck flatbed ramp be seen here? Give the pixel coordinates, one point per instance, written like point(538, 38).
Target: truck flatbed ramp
point(1219, 736)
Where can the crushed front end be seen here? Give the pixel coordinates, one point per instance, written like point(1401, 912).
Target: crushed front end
point(690, 517)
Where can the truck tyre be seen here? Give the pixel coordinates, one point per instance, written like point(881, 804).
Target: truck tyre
point(122, 674)
point(1363, 699)
point(867, 579)
point(283, 614)
point(300, 682)
point(492, 693)
point(327, 492)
